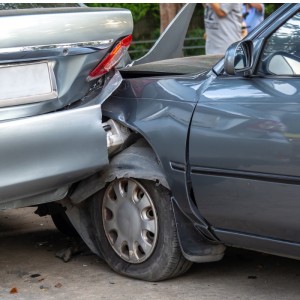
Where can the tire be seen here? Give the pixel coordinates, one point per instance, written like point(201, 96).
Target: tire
point(136, 231)
point(63, 224)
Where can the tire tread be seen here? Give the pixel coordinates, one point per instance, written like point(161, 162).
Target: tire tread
point(178, 264)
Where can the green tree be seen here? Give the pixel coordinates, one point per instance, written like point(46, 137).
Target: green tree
point(138, 10)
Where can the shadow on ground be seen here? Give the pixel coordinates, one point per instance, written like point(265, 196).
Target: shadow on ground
point(29, 269)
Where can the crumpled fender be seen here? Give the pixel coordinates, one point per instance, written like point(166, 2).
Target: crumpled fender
point(137, 161)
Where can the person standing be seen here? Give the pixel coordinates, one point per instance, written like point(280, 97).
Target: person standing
point(253, 14)
point(223, 26)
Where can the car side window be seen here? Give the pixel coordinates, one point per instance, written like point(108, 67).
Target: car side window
point(281, 54)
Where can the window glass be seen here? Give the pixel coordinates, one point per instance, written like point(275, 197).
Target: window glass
point(281, 55)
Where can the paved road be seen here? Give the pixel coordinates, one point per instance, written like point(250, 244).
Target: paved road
point(30, 270)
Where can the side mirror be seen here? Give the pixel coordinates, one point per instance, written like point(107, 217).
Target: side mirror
point(239, 58)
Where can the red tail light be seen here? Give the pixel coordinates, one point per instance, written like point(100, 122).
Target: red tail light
point(111, 59)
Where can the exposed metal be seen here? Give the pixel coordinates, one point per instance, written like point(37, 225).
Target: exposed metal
point(116, 135)
point(130, 220)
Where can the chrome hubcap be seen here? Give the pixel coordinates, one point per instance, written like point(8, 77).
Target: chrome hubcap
point(129, 220)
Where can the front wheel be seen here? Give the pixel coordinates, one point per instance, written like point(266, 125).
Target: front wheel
point(136, 230)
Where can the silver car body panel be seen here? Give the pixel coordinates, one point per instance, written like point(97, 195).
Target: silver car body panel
point(71, 40)
point(101, 44)
point(34, 27)
point(46, 152)
point(51, 123)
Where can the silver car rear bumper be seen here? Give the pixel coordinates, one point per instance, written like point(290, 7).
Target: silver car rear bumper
point(46, 153)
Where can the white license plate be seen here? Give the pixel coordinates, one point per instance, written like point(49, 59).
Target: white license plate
point(26, 83)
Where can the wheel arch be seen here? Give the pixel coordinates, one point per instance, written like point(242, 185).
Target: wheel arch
point(137, 161)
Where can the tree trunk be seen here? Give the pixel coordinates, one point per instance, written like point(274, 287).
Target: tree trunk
point(167, 12)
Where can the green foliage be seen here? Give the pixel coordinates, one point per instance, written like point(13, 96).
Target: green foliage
point(194, 43)
point(144, 14)
point(271, 7)
point(138, 50)
point(146, 19)
point(138, 10)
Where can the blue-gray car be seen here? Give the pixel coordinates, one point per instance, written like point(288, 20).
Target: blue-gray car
point(160, 162)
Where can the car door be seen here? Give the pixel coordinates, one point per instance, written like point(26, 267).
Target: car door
point(50, 134)
point(244, 145)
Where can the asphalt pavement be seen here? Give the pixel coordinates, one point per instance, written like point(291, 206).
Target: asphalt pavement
point(29, 269)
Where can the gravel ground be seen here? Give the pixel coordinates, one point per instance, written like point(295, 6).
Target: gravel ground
point(30, 270)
